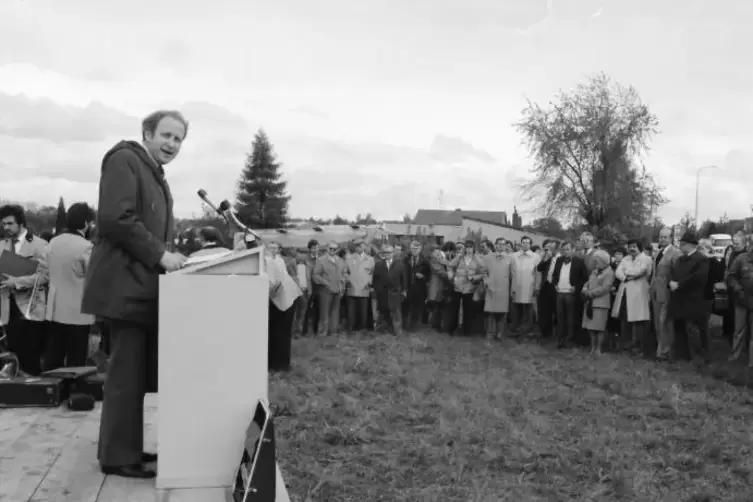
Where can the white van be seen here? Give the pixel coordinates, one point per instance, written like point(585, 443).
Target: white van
point(719, 243)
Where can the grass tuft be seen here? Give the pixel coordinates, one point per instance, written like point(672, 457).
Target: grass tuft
point(427, 417)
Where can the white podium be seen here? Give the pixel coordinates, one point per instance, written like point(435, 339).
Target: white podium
point(213, 321)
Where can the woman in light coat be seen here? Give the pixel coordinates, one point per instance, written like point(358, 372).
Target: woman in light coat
point(597, 295)
point(631, 304)
point(498, 278)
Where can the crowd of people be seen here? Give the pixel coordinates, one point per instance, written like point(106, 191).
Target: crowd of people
point(654, 299)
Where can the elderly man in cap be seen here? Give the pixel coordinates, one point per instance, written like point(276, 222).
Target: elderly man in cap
point(360, 274)
point(687, 302)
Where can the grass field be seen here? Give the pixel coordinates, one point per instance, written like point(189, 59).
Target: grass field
point(433, 418)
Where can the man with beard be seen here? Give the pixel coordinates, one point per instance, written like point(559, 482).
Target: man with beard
point(135, 231)
point(23, 299)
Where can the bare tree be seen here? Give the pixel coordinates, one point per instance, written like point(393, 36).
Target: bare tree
point(586, 149)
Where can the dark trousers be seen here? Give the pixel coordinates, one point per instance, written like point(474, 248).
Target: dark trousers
point(67, 345)
point(567, 318)
point(280, 332)
point(358, 312)
point(311, 316)
point(547, 304)
point(131, 373)
point(414, 308)
point(391, 310)
point(26, 339)
point(522, 317)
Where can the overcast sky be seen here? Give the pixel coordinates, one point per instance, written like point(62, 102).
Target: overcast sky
point(372, 105)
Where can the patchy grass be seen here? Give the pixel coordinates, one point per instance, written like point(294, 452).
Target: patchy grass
point(433, 418)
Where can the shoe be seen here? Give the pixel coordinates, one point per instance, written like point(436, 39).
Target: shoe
point(148, 457)
point(135, 471)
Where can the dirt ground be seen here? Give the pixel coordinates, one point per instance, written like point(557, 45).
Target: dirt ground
point(427, 417)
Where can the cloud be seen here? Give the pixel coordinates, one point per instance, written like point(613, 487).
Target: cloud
point(451, 150)
point(310, 110)
point(23, 117)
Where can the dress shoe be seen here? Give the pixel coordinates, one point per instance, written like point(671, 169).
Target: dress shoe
point(148, 457)
point(136, 471)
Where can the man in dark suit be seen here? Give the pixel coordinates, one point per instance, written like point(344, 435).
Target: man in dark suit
point(417, 272)
point(547, 295)
point(687, 303)
point(390, 288)
point(568, 278)
point(134, 236)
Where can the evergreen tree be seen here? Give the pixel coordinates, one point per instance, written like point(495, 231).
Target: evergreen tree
point(61, 217)
point(262, 201)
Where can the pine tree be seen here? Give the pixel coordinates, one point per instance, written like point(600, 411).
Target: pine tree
point(60, 222)
point(262, 201)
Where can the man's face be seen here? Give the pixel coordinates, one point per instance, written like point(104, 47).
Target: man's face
point(738, 242)
point(361, 247)
point(332, 249)
point(10, 227)
point(485, 247)
point(664, 238)
point(686, 248)
point(587, 241)
point(618, 257)
point(274, 248)
point(388, 254)
point(508, 247)
point(398, 249)
point(314, 250)
point(633, 250)
point(459, 248)
point(499, 246)
point(164, 144)
point(525, 244)
point(415, 249)
point(567, 251)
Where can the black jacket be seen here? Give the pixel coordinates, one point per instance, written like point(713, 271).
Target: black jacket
point(578, 273)
point(134, 229)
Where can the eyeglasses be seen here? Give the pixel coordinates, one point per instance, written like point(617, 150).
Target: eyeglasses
point(333, 249)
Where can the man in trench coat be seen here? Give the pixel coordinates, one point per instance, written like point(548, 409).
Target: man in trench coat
point(134, 233)
point(687, 301)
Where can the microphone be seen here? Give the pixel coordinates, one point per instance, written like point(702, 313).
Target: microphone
point(203, 196)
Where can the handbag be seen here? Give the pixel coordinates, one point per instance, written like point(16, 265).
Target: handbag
point(590, 308)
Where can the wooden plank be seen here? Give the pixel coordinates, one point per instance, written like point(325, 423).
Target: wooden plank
point(13, 423)
point(75, 476)
point(34, 453)
point(117, 489)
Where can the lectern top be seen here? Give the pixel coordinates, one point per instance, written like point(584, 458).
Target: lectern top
point(242, 262)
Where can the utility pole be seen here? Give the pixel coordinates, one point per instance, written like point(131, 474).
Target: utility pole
point(697, 191)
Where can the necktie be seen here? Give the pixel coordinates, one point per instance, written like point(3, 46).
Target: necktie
point(567, 260)
point(13, 243)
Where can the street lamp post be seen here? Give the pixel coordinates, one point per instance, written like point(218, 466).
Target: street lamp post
point(697, 191)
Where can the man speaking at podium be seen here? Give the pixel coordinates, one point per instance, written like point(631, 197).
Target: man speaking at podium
point(135, 232)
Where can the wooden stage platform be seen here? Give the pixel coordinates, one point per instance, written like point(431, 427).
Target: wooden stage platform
point(50, 455)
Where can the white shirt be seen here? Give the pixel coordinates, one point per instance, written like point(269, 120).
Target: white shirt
point(389, 264)
point(301, 272)
point(20, 240)
point(564, 286)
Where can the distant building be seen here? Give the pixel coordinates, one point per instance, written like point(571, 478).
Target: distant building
point(492, 231)
point(441, 217)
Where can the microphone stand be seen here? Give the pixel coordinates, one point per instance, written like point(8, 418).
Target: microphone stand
point(231, 216)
